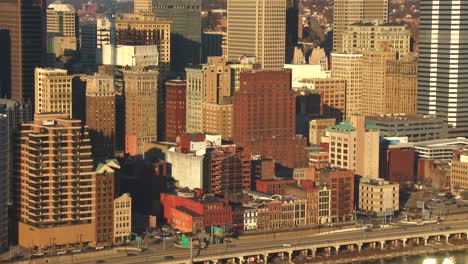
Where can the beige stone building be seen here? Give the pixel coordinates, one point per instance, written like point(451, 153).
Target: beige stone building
point(122, 218)
point(257, 28)
point(143, 6)
point(141, 90)
point(347, 12)
point(236, 70)
point(153, 30)
point(301, 174)
point(318, 128)
point(459, 173)
point(332, 95)
point(53, 91)
point(216, 80)
point(380, 197)
point(195, 92)
point(362, 36)
point(355, 146)
point(401, 86)
point(374, 95)
point(62, 29)
point(218, 119)
point(58, 184)
point(348, 66)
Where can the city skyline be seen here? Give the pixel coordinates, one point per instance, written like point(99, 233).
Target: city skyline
point(232, 131)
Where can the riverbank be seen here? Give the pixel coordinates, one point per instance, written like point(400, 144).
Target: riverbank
point(389, 254)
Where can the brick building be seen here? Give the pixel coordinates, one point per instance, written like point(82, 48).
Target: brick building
point(229, 170)
point(104, 201)
point(175, 109)
point(273, 186)
point(264, 117)
point(341, 185)
point(214, 211)
point(397, 162)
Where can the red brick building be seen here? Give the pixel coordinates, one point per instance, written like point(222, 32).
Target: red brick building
point(186, 220)
point(175, 109)
point(265, 117)
point(397, 164)
point(341, 184)
point(273, 186)
point(105, 202)
point(214, 211)
point(229, 170)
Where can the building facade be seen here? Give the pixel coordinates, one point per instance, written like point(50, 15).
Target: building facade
point(23, 34)
point(341, 187)
point(175, 109)
point(100, 114)
point(348, 66)
point(362, 36)
point(318, 128)
point(264, 117)
point(379, 197)
point(194, 102)
point(347, 12)
point(5, 177)
point(141, 90)
point(122, 219)
point(262, 38)
point(229, 170)
point(53, 91)
point(459, 173)
point(355, 146)
point(185, 30)
point(441, 72)
point(143, 6)
point(55, 155)
point(105, 190)
point(401, 86)
point(416, 128)
point(62, 29)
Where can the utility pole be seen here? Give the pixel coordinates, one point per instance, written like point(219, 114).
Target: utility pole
point(164, 239)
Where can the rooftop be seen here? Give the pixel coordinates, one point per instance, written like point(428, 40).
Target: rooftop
point(402, 117)
point(187, 211)
point(443, 143)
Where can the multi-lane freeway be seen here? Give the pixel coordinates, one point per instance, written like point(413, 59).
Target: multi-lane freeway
point(266, 242)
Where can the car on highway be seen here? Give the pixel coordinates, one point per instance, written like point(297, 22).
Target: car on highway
point(287, 244)
point(62, 252)
point(77, 250)
point(168, 257)
point(100, 261)
point(99, 247)
point(39, 254)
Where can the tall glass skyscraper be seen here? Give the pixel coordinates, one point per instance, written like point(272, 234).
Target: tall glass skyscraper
point(443, 51)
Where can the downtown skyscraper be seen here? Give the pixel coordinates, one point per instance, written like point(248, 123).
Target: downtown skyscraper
point(257, 28)
point(347, 12)
point(443, 77)
point(22, 35)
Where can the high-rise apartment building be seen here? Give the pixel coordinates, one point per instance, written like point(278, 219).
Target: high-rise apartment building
point(175, 109)
point(57, 183)
point(141, 88)
point(100, 114)
point(348, 66)
point(53, 91)
point(22, 30)
point(265, 117)
point(355, 146)
point(347, 12)
point(5, 141)
point(401, 86)
point(185, 32)
point(361, 36)
point(257, 28)
point(373, 94)
point(442, 75)
point(143, 6)
point(62, 29)
point(88, 42)
point(218, 119)
point(103, 26)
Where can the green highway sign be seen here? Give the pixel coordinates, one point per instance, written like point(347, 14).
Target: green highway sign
point(184, 242)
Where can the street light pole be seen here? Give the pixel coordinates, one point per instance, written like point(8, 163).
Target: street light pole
point(191, 250)
point(164, 239)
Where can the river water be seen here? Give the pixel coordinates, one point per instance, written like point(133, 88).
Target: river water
point(461, 257)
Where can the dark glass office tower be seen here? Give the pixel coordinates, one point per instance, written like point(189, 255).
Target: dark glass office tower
point(185, 30)
point(443, 57)
point(22, 22)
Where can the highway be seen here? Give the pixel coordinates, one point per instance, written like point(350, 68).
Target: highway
point(269, 242)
